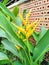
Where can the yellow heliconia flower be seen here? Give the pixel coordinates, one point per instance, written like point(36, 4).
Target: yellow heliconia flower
point(31, 31)
point(18, 47)
point(19, 28)
point(28, 28)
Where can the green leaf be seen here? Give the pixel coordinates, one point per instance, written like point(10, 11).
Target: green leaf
point(39, 35)
point(24, 12)
point(35, 35)
point(7, 11)
point(16, 10)
point(18, 21)
point(42, 32)
point(10, 46)
point(5, 2)
point(30, 46)
point(48, 62)
point(12, 36)
point(16, 63)
point(41, 47)
point(2, 33)
point(6, 26)
point(3, 58)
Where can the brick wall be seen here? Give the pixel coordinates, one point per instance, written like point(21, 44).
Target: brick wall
point(40, 9)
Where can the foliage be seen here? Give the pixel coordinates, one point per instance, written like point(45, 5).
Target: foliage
point(16, 10)
point(15, 39)
point(5, 2)
point(24, 12)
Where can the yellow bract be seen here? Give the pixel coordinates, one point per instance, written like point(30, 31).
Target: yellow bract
point(28, 28)
point(27, 16)
point(19, 28)
point(18, 47)
point(31, 31)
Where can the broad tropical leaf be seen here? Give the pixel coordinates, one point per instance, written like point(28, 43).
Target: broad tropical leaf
point(42, 32)
point(41, 47)
point(10, 46)
point(39, 35)
point(12, 36)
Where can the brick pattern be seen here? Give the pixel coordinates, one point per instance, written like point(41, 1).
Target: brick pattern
point(40, 9)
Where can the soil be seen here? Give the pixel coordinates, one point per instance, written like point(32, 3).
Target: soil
point(32, 40)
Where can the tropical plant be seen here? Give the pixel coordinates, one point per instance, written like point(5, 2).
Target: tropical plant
point(15, 33)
